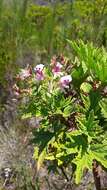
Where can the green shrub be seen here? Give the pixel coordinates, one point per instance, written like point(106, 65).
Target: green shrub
point(72, 110)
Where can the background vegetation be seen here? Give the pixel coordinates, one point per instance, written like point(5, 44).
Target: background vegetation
point(29, 27)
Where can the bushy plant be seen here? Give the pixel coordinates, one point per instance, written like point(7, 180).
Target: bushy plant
point(69, 98)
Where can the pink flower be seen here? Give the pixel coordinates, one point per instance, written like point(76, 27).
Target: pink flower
point(25, 73)
point(57, 69)
point(65, 81)
point(40, 75)
point(39, 72)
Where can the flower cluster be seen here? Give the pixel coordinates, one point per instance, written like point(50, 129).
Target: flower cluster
point(39, 74)
point(57, 70)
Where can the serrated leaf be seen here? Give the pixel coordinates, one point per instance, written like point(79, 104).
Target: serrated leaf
point(100, 148)
point(86, 102)
point(99, 152)
point(100, 157)
point(82, 162)
point(87, 125)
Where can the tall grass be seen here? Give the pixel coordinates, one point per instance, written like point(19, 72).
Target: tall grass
point(28, 27)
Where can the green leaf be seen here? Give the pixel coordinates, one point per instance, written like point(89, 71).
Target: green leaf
point(67, 111)
point(99, 152)
point(100, 157)
point(85, 87)
point(71, 150)
point(93, 60)
point(82, 162)
point(60, 162)
point(103, 105)
point(74, 133)
point(41, 158)
point(100, 148)
point(36, 153)
point(78, 76)
point(88, 125)
point(50, 157)
point(86, 102)
point(26, 115)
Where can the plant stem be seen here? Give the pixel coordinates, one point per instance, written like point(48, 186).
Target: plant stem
point(96, 175)
point(62, 169)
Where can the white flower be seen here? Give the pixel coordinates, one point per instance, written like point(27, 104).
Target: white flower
point(65, 81)
point(39, 72)
point(39, 67)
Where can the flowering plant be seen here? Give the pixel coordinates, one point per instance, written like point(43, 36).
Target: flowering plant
point(70, 101)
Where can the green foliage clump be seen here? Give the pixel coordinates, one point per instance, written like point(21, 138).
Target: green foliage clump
point(39, 14)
